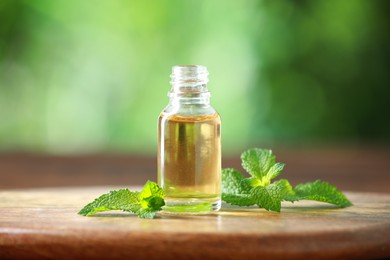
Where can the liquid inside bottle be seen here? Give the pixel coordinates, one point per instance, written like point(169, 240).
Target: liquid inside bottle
point(189, 155)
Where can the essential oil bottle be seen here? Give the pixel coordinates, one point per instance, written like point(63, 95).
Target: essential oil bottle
point(189, 145)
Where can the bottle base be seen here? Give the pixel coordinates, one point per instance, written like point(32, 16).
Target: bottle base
point(191, 205)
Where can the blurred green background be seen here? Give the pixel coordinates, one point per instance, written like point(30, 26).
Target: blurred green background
point(92, 76)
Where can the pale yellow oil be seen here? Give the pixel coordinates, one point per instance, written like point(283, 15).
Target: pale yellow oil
point(189, 162)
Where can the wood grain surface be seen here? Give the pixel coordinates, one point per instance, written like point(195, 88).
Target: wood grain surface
point(43, 223)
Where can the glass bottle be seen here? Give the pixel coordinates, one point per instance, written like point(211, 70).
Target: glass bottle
point(189, 145)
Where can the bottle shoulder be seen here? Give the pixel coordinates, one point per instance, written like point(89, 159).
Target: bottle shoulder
point(189, 118)
point(193, 110)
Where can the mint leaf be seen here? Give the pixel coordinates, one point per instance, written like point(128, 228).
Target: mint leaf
point(146, 213)
point(258, 189)
point(122, 199)
point(238, 199)
point(234, 190)
point(144, 204)
point(151, 199)
point(232, 182)
point(257, 162)
point(275, 170)
point(286, 191)
point(268, 197)
point(320, 191)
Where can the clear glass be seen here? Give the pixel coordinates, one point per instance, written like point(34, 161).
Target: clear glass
point(189, 145)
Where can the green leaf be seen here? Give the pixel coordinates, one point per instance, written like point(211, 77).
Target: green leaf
point(286, 191)
point(258, 189)
point(122, 199)
point(146, 213)
point(275, 170)
point(254, 181)
point(257, 162)
point(144, 204)
point(232, 182)
point(151, 195)
point(234, 188)
point(321, 191)
point(238, 199)
point(151, 199)
point(268, 197)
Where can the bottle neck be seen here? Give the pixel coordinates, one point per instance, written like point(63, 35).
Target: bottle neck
point(189, 85)
point(190, 98)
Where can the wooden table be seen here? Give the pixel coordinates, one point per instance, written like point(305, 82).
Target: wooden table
point(38, 220)
point(44, 223)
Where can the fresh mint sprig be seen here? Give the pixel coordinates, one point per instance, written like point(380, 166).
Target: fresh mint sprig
point(236, 189)
point(258, 190)
point(144, 204)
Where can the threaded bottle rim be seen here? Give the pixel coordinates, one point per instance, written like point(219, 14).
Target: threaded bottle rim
point(189, 78)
